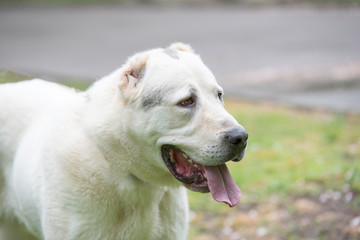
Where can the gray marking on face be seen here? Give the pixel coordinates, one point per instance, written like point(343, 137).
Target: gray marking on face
point(152, 99)
point(172, 53)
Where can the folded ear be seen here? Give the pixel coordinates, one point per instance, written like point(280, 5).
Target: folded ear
point(134, 71)
point(181, 47)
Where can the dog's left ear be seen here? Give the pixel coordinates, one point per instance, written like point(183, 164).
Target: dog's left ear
point(134, 71)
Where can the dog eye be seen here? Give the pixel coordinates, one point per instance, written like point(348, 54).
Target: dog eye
point(187, 102)
point(220, 96)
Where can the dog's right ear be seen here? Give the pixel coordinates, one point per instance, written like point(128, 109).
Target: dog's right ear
point(179, 46)
point(133, 73)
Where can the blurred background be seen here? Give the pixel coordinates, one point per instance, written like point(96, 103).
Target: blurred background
point(291, 73)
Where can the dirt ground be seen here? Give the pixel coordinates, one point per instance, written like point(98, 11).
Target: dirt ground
point(333, 215)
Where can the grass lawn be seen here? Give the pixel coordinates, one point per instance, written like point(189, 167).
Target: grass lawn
point(300, 178)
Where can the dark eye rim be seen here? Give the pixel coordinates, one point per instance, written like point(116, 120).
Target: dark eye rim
point(187, 102)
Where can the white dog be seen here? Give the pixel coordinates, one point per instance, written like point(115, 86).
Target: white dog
point(110, 162)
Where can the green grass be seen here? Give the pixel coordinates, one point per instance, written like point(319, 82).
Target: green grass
point(8, 76)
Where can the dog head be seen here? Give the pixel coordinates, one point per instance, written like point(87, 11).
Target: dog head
point(174, 113)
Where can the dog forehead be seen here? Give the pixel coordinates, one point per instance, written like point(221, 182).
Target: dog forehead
point(181, 68)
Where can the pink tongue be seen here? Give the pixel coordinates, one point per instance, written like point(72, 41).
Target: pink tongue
point(222, 186)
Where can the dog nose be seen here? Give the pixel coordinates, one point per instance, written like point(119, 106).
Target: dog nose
point(237, 136)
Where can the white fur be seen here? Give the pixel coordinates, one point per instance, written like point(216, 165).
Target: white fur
point(87, 165)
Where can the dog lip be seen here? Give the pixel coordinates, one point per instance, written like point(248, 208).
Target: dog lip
point(189, 172)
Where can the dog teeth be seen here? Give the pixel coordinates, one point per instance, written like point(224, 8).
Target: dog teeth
point(190, 161)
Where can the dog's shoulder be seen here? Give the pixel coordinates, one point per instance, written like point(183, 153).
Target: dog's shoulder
point(22, 104)
point(34, 88)
point(32, 96)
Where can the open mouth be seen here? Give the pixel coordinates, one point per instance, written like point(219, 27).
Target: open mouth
point(185, 170)
point(201, 178)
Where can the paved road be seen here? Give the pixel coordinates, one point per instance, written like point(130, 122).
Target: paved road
point(89, 42)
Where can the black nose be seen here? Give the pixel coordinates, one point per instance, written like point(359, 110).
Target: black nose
point(237, 136)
